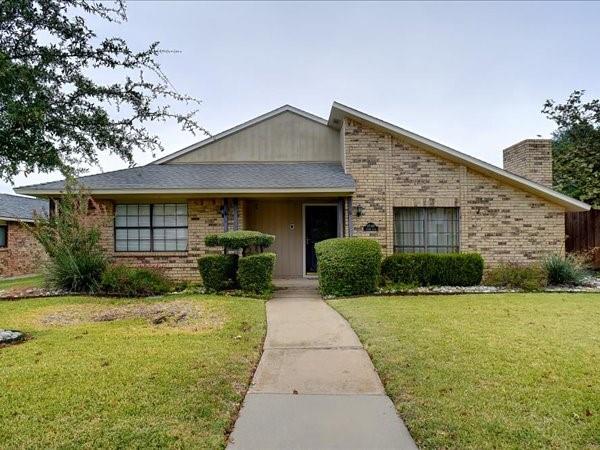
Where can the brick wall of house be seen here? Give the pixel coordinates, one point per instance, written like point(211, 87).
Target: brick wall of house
point(203, 218)
point(23, 254)
point(532, 159)
point(500, 222)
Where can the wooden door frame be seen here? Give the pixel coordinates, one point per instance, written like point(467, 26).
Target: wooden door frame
point(337, 218)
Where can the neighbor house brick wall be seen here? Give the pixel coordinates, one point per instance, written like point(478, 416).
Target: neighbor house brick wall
point(203, 218)
point(532, 159)
point(23, 254)
point(499, 221)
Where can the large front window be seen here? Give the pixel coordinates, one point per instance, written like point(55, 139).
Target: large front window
point(147, 228)
point(426, 230)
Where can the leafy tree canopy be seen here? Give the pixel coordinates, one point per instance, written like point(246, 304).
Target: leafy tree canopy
point(576, 147)
point(54, 113)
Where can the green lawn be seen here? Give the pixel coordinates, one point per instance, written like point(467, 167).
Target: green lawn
point(488, 371)
point(21, 282)
point(86, 380)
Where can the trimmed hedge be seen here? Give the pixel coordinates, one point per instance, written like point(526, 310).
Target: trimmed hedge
point(134, 282)
point(348, 266)
point(240, 239)
point(218, 271)
point(517, 276)
point(425, 269)
point(255, 272)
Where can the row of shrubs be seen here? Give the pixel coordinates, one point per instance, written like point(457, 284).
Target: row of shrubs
point(354, 266)
point(252, 272)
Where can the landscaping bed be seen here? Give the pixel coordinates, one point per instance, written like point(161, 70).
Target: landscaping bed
point(127, 373)
point(475, 371)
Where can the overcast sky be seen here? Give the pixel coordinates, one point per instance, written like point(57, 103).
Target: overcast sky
point(472, 76)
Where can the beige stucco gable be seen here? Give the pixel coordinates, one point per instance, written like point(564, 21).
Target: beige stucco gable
point(285, 137)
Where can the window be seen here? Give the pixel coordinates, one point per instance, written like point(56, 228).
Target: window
point(3, 236)
point(145, 228)
point(426, 230)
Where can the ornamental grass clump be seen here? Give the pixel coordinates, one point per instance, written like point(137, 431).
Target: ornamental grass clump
point(71, 238)
point(569, 270)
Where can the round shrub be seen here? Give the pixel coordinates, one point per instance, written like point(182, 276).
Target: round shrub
point(134, 282)
point(425, 269)
point(348, 266)
point(255, 272)
point(218, 271)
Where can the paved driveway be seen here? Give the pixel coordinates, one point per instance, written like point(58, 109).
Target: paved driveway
point(315, 386)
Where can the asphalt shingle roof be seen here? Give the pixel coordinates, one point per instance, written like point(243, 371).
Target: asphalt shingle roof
point(21, 208)
point(215, 176)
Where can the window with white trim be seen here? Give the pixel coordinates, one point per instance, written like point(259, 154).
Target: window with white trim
point(151, 227)
point(426, 230)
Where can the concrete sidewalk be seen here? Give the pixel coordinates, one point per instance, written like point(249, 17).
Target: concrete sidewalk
point(315, 386)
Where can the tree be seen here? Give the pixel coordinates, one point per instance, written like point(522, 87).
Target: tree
point(53, 113)
point(576, 147)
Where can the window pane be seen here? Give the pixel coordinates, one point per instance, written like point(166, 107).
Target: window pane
point(144, 210)
point(145, 246)
point(120, 221)
point(158, 221)
point(182, 233)
point(159, 246)
point(2, 236)
point(170, 221)
point(170, 245)
point(171, 233)
point(132, 221)
point(132, 210)
point(121, 245)
point(182, 221)
point(121, 210)
point(144, 221)
point(170, 210)
point(182, 209)
point(182, 244)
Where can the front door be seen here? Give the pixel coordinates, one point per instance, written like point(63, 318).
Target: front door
point(320, 223)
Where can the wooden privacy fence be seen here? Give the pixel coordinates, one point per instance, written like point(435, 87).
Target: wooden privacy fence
point(582, 230)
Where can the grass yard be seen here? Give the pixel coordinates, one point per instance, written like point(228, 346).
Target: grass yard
point(167, 372)
point(21, 282)
point(488, 371)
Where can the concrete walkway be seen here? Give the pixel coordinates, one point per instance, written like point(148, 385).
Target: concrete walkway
point(315, 386)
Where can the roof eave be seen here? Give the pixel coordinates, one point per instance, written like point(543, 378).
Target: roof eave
point(339, 112)
point(15, 219)
point(133, 191)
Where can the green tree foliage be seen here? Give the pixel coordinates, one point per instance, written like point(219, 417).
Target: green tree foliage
point(54, 113)
point(576, 148)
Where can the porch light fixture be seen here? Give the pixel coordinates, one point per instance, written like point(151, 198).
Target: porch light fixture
point(359, 210)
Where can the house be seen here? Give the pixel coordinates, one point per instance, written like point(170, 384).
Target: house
point(20, 253)
point(304, 179)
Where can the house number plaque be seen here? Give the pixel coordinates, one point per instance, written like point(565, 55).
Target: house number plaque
point(370, 227)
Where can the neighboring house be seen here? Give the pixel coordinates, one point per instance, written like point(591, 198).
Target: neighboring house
point(304, 179)
point(20, 253)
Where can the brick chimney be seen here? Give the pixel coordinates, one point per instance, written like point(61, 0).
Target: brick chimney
point(532, 159)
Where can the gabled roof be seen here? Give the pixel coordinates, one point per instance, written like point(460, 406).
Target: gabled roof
point(237, 128)
point(212, 179)
point(339, 112)
point(16, 208)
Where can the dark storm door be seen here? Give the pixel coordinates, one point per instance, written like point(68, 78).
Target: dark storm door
point(320, 223)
